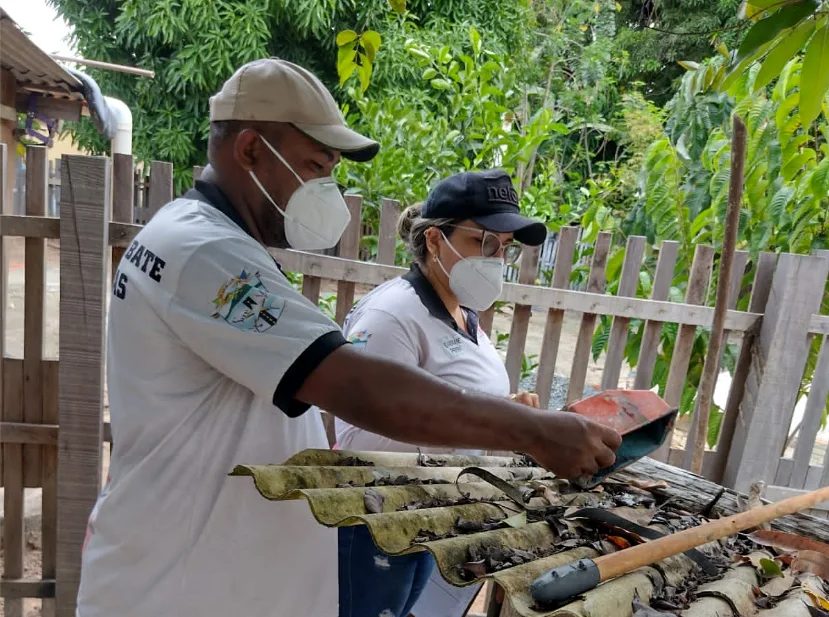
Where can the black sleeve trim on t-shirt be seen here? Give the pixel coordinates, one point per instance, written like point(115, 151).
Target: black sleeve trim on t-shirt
point(304, 365)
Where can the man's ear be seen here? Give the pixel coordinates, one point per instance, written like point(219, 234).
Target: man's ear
point(247, 149)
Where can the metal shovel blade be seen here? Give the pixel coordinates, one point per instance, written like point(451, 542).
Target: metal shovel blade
point(641, 417)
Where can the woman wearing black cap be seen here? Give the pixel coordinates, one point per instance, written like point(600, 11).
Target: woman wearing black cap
point(461, 238)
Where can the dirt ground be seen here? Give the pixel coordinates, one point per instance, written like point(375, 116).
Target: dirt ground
point(14, 347)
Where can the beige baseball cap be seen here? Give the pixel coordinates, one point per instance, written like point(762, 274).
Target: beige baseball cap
point(275, 90)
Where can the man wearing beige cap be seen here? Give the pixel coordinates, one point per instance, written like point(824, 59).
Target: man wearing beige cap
point(214, 358)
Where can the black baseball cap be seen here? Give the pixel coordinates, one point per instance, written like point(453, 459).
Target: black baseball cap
point(487, 198)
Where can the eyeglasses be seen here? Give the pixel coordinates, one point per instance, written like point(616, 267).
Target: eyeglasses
point(491, 244)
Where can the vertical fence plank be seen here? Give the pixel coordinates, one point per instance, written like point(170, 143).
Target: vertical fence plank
point(737, 275)
point(13, 495)
point(595, 284)
point(349, 249)
point(695, 293)
point(527, 273)
point(653, 329)
point(740, 259)
point(83, 265)
point(777, 369)
point(197, 172)
point(824, 476)
point(628, 284)
point(54, 199)
point(757, 304)
point(812, 416)
point(4, 298)
point(485, 319)
point(565, 250)
point(311, 288)
point(49, 524)
point(160, 192)
point(387, 236)
point(138, 201)
point(37, 179)
point(50, 177)
point(123, 196)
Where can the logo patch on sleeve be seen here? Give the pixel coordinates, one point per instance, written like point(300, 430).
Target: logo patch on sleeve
point(359, 340)
point(245, 303)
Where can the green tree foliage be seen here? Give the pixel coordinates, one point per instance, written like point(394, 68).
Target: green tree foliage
point(552, 115)
point(684, 186)
point(657, 34)
point(194, 45)
point(779, 31)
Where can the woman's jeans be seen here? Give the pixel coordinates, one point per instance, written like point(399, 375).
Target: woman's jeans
point(373, 584)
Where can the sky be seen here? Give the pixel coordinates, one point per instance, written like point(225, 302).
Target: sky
point(40, 20)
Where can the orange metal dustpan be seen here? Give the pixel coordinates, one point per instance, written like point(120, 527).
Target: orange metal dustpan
point(641, 417)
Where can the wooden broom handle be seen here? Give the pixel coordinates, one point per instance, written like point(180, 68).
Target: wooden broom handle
point(630, 559)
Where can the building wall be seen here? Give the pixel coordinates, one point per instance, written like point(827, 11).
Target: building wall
point(63, 145)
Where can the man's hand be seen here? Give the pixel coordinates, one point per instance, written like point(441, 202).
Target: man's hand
point(526, 398)
point(571, 446)
point(408, 404)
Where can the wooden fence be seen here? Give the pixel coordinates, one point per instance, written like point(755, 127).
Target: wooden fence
point(53, 410)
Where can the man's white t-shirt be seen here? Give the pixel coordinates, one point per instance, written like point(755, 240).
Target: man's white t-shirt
point(207, 345)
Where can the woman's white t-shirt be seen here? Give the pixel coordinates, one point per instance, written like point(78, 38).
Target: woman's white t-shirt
point(405, 320)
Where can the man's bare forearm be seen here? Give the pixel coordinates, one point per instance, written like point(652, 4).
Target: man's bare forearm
point(412, 406)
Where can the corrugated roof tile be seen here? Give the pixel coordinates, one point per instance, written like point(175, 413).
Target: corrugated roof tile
point(30, 65)
point(413, 503)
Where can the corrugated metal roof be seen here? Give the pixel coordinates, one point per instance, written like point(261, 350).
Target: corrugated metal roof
point(413, 503)
point(30, 65)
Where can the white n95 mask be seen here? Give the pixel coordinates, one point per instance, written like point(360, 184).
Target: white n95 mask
point(476, 281)
point(316, 215)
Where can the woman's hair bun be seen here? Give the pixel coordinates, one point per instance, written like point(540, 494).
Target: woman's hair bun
point(407, 219)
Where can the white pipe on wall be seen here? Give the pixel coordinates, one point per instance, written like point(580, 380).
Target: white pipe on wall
point(122, 142)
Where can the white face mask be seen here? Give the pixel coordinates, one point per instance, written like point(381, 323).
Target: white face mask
point(476, 281)
point(316, 215)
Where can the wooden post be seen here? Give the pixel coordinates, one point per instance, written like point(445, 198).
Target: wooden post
point(387, 236)
point(49, 514)
point(740, 260)
point(311, 288)
point(565, 250)
point(139, 204)
point(3, 296)
point(349, 249)
point(653, 329)
point(628, 284)
point(14, 546)
point(527, 272)
point(197, 172)
point(485, 320)
point(776, 370)
point(12, 411)
point(695, 293)
point(37, 189)
point(712, 358)
point(595, 284)
point(160, 192)
point(83, 265)
point(123, 204)
point(812, 416)
point(757, 304)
